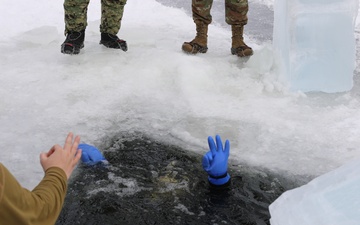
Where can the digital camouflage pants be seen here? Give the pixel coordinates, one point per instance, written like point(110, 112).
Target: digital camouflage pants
point(235, 11)
point(111, 15)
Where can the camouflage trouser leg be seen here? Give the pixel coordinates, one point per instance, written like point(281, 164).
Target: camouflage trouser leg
point(75, 15)
point(236, 12)
point(201, 11)
point(111, 15)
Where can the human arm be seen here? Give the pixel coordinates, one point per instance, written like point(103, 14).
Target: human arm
point(215, 161)
point(41, 206)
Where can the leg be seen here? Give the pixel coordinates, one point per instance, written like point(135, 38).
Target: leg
point(236, 16)
point(201, 11)
point(202, 18)
point(236, 12)
point(75, 24)
point(75, 15)
point(111, 15)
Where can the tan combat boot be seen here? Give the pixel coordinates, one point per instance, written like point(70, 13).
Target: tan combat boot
point(238, 46)
point(199, 44)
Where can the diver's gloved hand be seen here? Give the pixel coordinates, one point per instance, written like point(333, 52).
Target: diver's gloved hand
point(91, 155)
point(215, 161)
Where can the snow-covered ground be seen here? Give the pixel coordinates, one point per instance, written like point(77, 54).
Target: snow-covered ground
point(157, 89)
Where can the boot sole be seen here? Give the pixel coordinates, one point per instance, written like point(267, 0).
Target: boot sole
point(235, 51)
point(70, 49)
point(193, 48)
point(115, 45)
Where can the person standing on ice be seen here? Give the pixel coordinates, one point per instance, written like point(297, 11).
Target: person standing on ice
point(76, 22)
point(236, 16)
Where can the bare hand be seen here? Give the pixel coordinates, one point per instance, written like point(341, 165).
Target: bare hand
point(65, 158)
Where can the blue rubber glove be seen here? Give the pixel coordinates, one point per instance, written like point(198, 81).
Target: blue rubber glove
point(90, 154)
point(215, 161)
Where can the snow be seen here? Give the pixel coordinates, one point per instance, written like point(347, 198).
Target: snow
point(157, 89)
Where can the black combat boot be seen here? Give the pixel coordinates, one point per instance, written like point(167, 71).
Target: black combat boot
point(73, 43)
point(112, 41)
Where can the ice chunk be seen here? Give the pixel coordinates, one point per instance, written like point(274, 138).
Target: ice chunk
point(331, 199)
point(316, 42)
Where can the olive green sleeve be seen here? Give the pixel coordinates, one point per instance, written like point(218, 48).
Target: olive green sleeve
point(41, 206)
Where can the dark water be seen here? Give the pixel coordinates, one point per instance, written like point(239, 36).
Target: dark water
point(149, 182)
